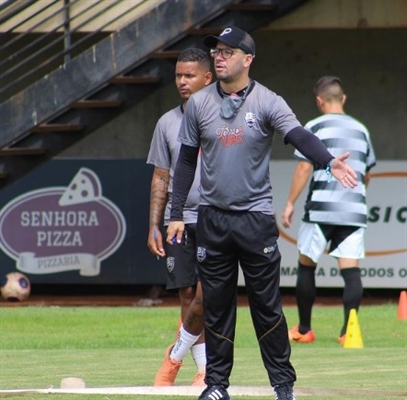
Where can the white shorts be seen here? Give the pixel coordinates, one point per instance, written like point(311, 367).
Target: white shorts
point(344, 241)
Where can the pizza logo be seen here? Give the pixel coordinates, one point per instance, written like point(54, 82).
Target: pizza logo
point(60, 229)
point(84, 187)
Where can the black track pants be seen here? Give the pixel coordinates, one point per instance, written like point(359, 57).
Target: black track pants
point(224, 240)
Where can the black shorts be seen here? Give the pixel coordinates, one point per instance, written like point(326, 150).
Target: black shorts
point(181, 261)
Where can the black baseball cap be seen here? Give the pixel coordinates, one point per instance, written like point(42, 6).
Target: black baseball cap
point(233, 37)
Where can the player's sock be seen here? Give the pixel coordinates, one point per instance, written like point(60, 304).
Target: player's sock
point(183, 344)
point(199, 355)
point(178, 328)
point(305, 293)
point(352, 293)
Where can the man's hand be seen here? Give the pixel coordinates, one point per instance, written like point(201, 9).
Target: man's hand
point(155, 242)
point(342, 172)
point(175, 232)
point(287, 215)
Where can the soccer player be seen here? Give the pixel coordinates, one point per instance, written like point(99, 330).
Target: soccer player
point(333, 214)
point(192, 72)
point(232, 123)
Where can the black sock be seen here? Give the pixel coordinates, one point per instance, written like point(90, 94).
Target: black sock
point(305, 293)
point(352, 293)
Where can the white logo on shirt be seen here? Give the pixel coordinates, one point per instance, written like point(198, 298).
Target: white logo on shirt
point(250, 119)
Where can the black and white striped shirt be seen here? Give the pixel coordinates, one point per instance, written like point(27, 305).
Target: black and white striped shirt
point(330, 203)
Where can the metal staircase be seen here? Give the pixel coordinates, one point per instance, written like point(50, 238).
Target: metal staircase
point(42, 116)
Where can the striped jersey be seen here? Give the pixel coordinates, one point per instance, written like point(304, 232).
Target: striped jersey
point(329, 202)
point(164, 151)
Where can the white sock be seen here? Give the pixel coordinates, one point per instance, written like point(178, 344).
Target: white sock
point(198, 352)
point(183, 344)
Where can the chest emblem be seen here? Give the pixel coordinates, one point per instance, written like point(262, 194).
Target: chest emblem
point(250, 119)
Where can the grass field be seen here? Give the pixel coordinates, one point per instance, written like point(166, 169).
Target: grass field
point(123, 347)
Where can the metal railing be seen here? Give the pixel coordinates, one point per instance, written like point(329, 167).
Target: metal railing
point(40, 36)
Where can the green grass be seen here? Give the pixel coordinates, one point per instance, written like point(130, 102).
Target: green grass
point(123, 346)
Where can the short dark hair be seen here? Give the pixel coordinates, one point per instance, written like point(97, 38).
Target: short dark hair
point(195, 54)
point(329, 88)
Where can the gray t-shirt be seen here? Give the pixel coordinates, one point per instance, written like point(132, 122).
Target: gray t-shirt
point(331, 203)
point(236, 152)
point(164, 151)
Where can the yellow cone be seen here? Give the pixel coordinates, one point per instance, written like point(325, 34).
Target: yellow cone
point(353, 337)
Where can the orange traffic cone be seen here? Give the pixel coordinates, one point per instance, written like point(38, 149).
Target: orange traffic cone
point(353, 337)
point(402, 310)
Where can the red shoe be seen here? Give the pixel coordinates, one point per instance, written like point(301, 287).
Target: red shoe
point(341, 339)
point(295, 336)
point(199, 379)
point(168, 371)
point(292, 333)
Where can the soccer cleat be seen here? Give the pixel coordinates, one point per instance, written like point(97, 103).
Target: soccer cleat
point(168, 371)
point(294, 335)
point(284, 392)
point(341, 339)
point(292, 332)
point(199, 379)
point(215, 393)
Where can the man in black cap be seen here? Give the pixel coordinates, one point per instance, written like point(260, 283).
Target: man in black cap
point(232, 123)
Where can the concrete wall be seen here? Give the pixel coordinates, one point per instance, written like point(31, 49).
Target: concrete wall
point(372, 63)
point(345, 14)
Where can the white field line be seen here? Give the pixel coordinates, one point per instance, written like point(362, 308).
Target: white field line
point(195, 391)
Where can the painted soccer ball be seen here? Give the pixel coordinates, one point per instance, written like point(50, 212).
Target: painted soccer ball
point(15, 287)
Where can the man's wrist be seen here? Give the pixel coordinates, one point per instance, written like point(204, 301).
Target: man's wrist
point(174, 219)
point(329, 165)
point(328, 169)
